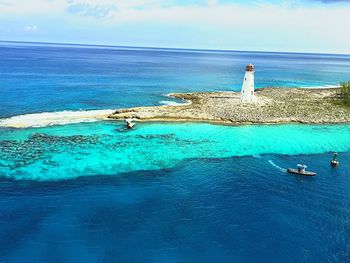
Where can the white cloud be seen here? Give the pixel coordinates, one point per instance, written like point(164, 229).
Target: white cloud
point(31, 28)
point(33, 7)
point(291, 21)
point(238, 15)
point(212, 2)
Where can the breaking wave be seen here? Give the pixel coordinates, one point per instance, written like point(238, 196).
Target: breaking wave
point(321, 87)
point(54, 118)
point(174, 103)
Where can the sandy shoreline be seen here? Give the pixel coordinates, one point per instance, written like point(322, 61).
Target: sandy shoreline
point(54, 118)
point(274, 105)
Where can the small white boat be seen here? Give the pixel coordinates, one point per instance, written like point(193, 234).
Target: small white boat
point(129, 123)
point(301, 170)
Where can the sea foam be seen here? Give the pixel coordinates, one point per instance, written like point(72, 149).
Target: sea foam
point(174, 103)
point(54, 118)
point(321, 87)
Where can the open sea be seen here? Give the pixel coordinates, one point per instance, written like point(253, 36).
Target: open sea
point(81, 190)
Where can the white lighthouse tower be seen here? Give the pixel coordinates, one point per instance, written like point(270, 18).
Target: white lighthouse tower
point(247, 92)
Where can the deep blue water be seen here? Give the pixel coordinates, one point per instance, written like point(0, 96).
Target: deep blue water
point(38, 78)
point(204, 210)
point(192, 192)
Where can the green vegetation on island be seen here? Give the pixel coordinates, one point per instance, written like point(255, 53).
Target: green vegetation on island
point(345, 92)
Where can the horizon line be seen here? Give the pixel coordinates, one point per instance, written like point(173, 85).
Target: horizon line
point(166, 48)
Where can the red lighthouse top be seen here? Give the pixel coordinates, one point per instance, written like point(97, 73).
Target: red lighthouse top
point(249, 67)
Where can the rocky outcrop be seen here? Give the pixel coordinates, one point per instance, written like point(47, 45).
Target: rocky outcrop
point(273, 105)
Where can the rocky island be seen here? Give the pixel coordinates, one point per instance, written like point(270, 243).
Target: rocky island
point(273, 105)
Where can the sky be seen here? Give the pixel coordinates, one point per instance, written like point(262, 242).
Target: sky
point(320, 26)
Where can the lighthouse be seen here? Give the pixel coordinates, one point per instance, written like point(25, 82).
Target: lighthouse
point(247, 92)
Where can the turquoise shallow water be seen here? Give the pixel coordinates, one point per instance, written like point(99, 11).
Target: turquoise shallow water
point(91, 149)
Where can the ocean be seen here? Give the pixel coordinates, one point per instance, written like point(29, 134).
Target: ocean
point(91, 191)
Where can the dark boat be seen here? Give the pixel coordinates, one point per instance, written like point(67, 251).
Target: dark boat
point(301, 171)
point(335, 161)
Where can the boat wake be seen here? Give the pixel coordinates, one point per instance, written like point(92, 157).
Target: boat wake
point(276, 166)
point(173, 103)
point(54, 118)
